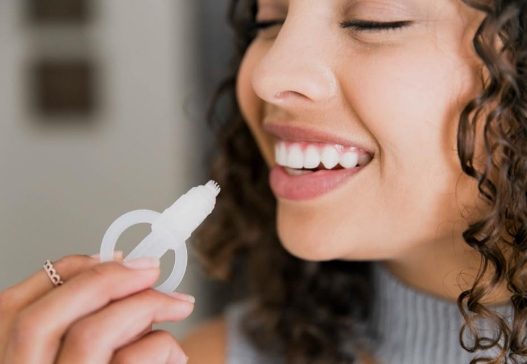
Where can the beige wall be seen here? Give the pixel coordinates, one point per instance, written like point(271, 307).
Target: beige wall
point(60, 188)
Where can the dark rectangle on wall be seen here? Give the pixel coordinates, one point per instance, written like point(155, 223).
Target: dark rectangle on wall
point(63, 87)
point(58, 11)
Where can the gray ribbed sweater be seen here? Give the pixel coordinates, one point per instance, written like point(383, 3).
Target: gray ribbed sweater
point(413, 327)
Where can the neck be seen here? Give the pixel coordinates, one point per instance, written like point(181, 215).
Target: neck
point(443, 269)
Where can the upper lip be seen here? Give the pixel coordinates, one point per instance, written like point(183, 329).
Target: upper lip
point(296, 133)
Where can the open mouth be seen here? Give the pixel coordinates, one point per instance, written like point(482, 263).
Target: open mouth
point(306, 170)
point(305, 158)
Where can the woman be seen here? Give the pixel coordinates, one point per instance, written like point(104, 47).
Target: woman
point(372, 183)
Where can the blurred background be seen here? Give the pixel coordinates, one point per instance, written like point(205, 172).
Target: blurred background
point(102, 111)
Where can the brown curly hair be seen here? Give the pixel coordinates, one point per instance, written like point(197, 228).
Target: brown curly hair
point(307, 310)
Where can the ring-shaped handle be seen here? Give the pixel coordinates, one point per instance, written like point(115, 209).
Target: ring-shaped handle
point(178, 271)
point(122, 223)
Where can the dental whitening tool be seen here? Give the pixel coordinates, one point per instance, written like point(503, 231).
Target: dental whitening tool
point(170, 230)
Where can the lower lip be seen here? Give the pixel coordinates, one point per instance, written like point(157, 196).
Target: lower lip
point(307, 186)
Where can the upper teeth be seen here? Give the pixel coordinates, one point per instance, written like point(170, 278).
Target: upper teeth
point(310, 155)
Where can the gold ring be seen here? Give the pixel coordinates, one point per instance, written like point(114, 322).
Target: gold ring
point(52, 274)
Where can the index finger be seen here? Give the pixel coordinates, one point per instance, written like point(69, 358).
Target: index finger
point(29, 290)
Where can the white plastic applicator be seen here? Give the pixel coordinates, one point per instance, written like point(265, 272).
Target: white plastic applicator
point(170, 230)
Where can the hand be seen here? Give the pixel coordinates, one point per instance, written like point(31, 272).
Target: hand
point(102, 314)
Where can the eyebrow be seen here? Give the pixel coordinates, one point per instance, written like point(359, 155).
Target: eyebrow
point(403, 6)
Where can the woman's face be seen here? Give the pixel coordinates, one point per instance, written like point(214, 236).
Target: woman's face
point(393, 94)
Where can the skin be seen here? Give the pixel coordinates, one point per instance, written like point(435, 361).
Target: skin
point(398, 93)
point(103, 313)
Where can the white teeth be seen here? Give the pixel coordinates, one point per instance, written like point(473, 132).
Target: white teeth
point(349, 159)
point(281, 154)
point(295, 157)
point(311, 157)
point(329, 157)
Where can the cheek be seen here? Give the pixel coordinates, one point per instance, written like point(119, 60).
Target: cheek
point(251, 106)
point(408, 104)
point(422, 93)
point(417, 126)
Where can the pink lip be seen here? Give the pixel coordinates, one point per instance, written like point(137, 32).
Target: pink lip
point(293, 133)
point(308, 186)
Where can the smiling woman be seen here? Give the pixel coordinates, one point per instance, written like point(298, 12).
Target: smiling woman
point(416, 254)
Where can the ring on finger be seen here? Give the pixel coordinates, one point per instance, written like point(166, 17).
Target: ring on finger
point(52, 274)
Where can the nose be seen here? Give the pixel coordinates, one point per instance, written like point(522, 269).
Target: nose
point(296, 69)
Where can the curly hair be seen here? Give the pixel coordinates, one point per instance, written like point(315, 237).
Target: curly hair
point(311, 312)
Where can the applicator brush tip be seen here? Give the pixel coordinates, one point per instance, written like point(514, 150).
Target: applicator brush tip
point(214, 187)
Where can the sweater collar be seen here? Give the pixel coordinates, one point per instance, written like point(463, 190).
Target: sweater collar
point(410, 326)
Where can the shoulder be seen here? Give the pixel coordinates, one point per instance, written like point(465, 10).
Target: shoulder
point(211, 334)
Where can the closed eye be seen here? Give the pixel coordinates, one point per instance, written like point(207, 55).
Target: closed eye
point(358, 25)
point(260, 25)
point(372, 26)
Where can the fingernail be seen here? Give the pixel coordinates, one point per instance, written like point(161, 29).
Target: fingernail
point(142, 263)
point(183, 296)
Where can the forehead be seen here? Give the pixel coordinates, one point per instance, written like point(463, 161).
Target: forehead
point(417, 10)
point(351, 4)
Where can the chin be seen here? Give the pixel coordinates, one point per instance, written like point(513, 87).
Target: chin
point(315, 237)
point(303, 249)
point(311, 241)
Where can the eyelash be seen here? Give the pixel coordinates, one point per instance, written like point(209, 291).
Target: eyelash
point(359, 25)
point(372, 26)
